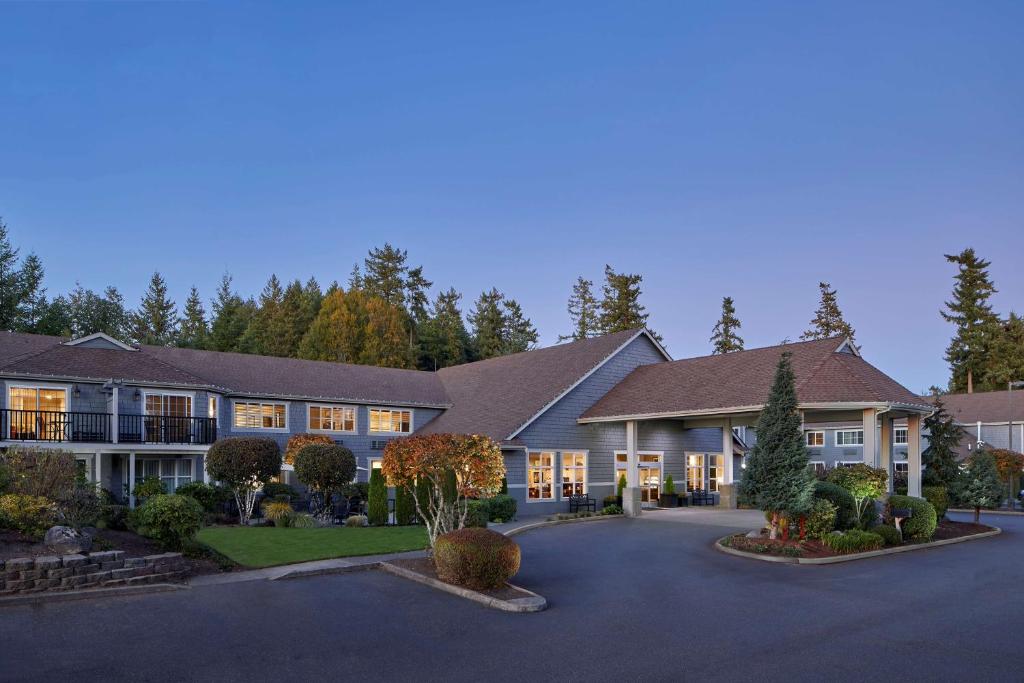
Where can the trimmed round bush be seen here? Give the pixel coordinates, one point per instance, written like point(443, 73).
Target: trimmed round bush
point(890, 534)
point(938, 496)
point(502, 507)
point(169, 519)
point(325, 468)
point(919, 527)
point(846, 508)
point(273, 489)
point(29, 515)
point(821, 520)
point(476, 558)
point(239, 460)
point(853, 541)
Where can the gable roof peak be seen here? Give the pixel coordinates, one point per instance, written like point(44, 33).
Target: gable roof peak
point(101, 337)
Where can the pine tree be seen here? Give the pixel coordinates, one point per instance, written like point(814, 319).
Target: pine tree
point(193, 330)
point(32, 304)
point(620, 307)
point(416, 295)
point(88, 312)
point(56, 318)
point(267, 333)
point(979, 486)
point(724, 335)
point(445, 341)
point(337, 332)
point(939, 458)
point(156, 321)
point(10, 281)
point(828, 320)
point(518, 333)
point(976, 324)
point(355, 279)
point(582, 311)
point(298, 309)
point(231, 317)
point(777, 478)
point(384, 343)
point(488, 322)
point(1005, 361)
point(385, 274)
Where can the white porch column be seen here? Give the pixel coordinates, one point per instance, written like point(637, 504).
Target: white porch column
point(914, 455)
point(885, 449)
point(727, 450)
point(870, 455)
point(97, 470)
point(131, 480)
point(631, 495)
point(114, 420)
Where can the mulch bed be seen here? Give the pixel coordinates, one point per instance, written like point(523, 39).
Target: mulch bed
point(425, 566)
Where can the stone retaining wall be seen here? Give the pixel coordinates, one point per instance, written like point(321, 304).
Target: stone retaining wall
point(93, 570)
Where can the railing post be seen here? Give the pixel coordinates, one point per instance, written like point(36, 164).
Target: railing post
point(114, 429)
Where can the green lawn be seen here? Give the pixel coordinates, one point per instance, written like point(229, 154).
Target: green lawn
point(267, 546)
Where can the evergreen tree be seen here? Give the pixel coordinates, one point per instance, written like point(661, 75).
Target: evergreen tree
point(582, 311)
point(32, 305)
point(355, 279)
point(620, 307)
point(89, 312)
point(231, 317)
point(156, 321)
point(299, 307)
point(385, 274)
point(267, 333)
point(724, 335)
point(384, 342)
point(828, 320)
point(487, 320)
point(193, 330)
point(1005, 361)
point(979, 486)
point(939, 458)
point(976, 325)
point(416, 287)
point(10, 281)
point(777, 478)
point(56, 318)
point(518, 333)
point(445, 341)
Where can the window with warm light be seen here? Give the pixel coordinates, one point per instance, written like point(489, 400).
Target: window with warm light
point(540, 475)
point(574, 473)
point(332, 418)
point(261, 415)
point(390, 421)
point(172, 405)
point(716, 472)
point(211, 407)
point(850, 437)
point(694, 472)
point(815, 439)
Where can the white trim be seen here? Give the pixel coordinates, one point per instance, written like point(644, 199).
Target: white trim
point(590, 372)
point(369, 422)
point(554, 485)
point(906, 438)
point(848, 344)
point(586, 469)
point(332, 406)
point(249, 428)
point(100, 335)
point(814, 431)
point(190, 394)
point(848, 445)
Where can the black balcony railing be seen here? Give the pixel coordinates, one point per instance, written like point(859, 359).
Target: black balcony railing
point(51, 425)
point(166, 429)
point(60, 426)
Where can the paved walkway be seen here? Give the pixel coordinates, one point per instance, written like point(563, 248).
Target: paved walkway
point(332, 566)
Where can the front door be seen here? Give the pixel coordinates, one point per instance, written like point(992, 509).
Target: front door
point(650, 483)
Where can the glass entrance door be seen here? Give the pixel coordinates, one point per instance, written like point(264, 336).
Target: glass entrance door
point(650, 483)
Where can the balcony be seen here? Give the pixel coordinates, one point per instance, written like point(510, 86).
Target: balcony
point(69, 427)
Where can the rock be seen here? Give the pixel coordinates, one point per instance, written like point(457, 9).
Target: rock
point(64, 540)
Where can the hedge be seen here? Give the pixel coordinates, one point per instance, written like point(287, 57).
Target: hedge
point(853, 541)
point(476, 558)
point(377, 508)
point(890, 534)
point(501, 508)
point(31, 515)
point(169, 519)
point(938, 496)
point(921, 525)
point(846, 508)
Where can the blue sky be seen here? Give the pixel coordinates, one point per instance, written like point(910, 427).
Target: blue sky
point(742, 149)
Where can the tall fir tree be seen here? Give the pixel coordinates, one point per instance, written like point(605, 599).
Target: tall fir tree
point(583, 313)
point(939, 458)
point(385, 342)
point(518, 334)
point(1005, 361)
point(828, 320)
point(231, 317)
point(355, 280)
point(156, 321)
point(10, 281)
point(620, 307)
point(194, 330)
point(445, 340)
point(384, 274)
point(88, 312)
point(56, 318)
point(299, 307)
point(336, 333)
point(32, 305)
point(724, 335)
point(777, 478)
point(267, 333)
point(487, 319)
point(977, 326)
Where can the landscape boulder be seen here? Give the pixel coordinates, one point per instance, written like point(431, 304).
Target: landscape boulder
point(64, 540)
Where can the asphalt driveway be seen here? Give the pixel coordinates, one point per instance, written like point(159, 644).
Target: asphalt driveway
point(630, 599)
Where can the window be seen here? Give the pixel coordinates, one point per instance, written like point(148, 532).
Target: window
point(391, 421)
point(815, 439)
point(35, 413)
point(540, 475)
point(211, 407)
point(574, 473)
point(849, 463)
point(694, 472)
point(715, 472)
point(899, 436)
point(901, 467)
point(38, 398)
point(850, 437)
point(740, 432)
point(173, 405)
point(818, 467)
point(173, 472)
point(261, 416)
point(332, 418)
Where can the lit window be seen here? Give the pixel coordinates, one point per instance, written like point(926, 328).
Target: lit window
point(332, 418)
point(172, 405)
point(899, 435)
point(815, 439)
point(211, 407)
point(850, 437)
point(540, 475)
point(715, 472)
point(694, 472)
point(34, 413)
point(574, 474)
point(388, 421)
point(261, 416)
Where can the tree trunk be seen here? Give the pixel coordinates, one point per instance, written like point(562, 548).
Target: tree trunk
point(773, 527)
point(977, 515)
point(970, 381)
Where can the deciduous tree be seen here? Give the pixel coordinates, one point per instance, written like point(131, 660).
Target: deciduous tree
point(244, 465)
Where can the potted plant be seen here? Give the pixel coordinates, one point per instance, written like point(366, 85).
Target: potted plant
point(619, 488)
point(668, 497)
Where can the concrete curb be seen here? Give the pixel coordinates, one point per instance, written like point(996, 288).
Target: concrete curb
point(67, 596)
point(323, 571)
point(995, 531)
point(555, 522)
point(1008, 513)
point(535, 603)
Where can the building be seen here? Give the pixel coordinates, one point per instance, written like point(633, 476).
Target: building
point(571, 418)
point(990, 418)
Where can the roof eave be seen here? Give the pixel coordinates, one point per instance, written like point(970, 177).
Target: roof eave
point(732, 410)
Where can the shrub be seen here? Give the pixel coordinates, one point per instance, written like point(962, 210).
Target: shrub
point(30, 515)
point(938, 496)
point(83, 508)
point(41, 472)
point(476, 513)
point(359, 489)
point(148, 487)
point(978, 485)
point(244, 464)
point(821, 520)
point(846, 508)
point(356, 520)
point(405, 506)
point(299, 441)
point(209, 497)
point(169, 519)
point(609, 500)
point(476, 558)
point(921, 525)
point(621, 485)
point(503, 490)
point(113, 516)
point(5, 476)
point(326, 469)
point(279, 512)
point(890, 534)
point(865, 483)
point(377, 508)
point(302, 521)
point(670, 486)
point(853, 541)
point(611, 510)
point(273, 489)
point(501, 508)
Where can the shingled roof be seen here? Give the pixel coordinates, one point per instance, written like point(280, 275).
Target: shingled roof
point(983, 406)
point(497, 397)
point(826, 370)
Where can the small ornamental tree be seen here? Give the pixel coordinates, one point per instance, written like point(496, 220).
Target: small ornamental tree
point(941, 468)
point(865, 483)
point(979, 485)
point(475, 461)
point(777, 478)
point(244, 464)
point(299, 441)
point(377, 510)
point(325, 469)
